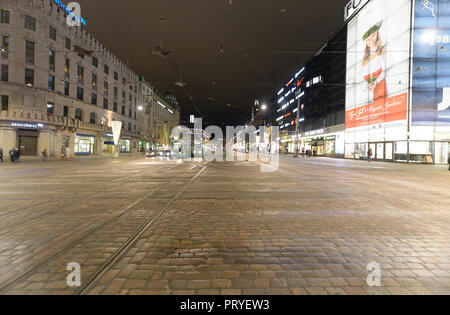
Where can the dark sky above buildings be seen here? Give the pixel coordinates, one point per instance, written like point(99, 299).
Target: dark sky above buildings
point(230, 55)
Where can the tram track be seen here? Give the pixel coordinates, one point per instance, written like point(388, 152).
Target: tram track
point(117, 254)
point(52, 213)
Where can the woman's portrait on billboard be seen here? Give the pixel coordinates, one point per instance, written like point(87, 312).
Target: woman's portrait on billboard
point(374, 61)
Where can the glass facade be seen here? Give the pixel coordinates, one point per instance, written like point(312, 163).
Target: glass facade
point(84, 144)
point(398, 86)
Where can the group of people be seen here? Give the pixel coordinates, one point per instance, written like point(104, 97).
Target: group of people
point(309, 153)
point(14, 154)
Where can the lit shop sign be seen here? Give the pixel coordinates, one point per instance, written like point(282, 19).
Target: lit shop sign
point(352, 7)
point(298, 73)
point(315, 132)
point(27, 125)
point(69, 12)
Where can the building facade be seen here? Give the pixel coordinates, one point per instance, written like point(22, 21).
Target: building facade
point(314, 98)
point(59, 86)
point(159, 114)
point(398, 82)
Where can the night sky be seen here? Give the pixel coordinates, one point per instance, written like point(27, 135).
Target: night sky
point(264, 43)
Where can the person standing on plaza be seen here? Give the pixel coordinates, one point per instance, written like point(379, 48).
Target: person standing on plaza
point(44, 155)
point(12, 155)
point(369, 154)
point(1, 155)
point(17, 155)
point(63, 154)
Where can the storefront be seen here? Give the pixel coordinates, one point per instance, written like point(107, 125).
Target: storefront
point(84, 144)
point(399, 103)
point(28, 142)
point(22, 135)
point(125, 145)
point(108, 146)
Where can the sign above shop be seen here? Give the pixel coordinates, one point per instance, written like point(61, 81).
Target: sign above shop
point(352, 7)
point(315, 132)
point(27, 125)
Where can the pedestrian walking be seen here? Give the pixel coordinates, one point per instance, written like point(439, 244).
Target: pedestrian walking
point(369, 154)
point(303, 152)
point(17, 155)
point(63, 154)
point(12, 155)
point(1, 155)
point(44, 155)
point(315, 152)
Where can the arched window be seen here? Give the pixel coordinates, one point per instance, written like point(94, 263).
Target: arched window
point(78, 114)
point(92, 118)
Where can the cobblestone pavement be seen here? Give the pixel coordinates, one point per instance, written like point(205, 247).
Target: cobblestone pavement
point(312, 227)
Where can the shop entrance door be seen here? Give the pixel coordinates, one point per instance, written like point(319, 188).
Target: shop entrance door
point(441, 152)
point(389, 152)
point(373, 146)
point(380, 151)
point(28, 146)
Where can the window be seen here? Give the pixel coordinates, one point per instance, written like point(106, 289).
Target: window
point(115, 107)
point(4, 16)
point(105, 88)
point(68, 43)
point(66, 88)
point(5, 101)
point(106, 69)
point(30, 23)
point(5, 47)
point(105, 103)
point(129, 112)
point(29, 77)
point(116, 76)
point(94, 82)
point(29, 53)
point(94, 99)
point(81, 55)
point(129, 126)
point(52, 33)
point(51, 60)
point(66, 111)
point(4, 73)
point(92, 118)
point(115, 93)
point(95, 62)
point(80, 74)
point(51, 83)
point(67, 68)
point(80, 93)
point(78, 114)
point(123, 110)
point(50, 109)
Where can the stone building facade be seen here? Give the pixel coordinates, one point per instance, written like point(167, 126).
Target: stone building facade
point(159, 114)
point(59, 86)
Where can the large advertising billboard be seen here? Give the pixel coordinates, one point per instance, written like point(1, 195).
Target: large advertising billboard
point(431, 65)
point(378, 54)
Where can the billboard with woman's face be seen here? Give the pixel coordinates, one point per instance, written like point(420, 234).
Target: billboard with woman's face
point(378, 65)
point(431, 65)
